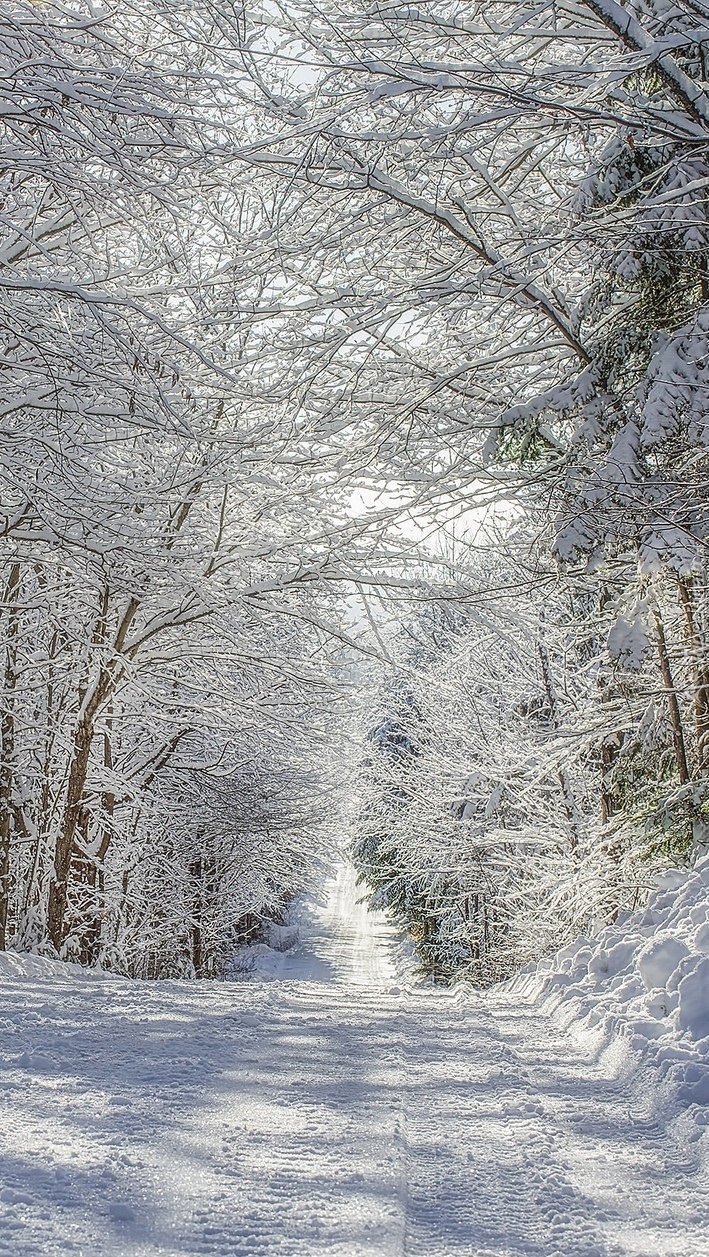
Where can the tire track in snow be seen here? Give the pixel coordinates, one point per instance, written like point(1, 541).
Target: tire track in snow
point(641, 1192)
point(307, 1164)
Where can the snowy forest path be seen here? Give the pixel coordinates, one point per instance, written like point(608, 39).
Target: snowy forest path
point(330, 1111)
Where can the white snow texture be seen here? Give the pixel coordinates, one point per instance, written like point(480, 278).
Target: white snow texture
point(327, 1106)
point(642, 985)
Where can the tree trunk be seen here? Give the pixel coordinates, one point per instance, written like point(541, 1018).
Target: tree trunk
point(58, 891)
point(610, 748)
point(108, 678)
point(567, 791)
point(196, 927)
point(91, 933)
point(673, 704)
point(7, 767)
point(611, 745)
point(700, 677)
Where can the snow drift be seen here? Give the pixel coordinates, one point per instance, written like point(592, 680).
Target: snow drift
point(641, 988)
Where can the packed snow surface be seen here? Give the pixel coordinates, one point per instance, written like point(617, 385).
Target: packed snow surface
point(325, 1107)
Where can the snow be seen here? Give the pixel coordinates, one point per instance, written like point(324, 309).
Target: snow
point(336, 938)
point(693, 1004)
point(641, 988)
point(13, 965)
point(659, 959)
point(335, 1108)
point(628, 640)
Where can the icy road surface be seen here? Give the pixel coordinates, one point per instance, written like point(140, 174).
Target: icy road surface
point(326, 1112)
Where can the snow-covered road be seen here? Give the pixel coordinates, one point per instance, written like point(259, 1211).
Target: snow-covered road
point(330, 1111)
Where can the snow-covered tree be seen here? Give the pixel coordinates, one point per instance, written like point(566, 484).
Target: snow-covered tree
point(160, 514)
point(495, 241)
point(483, 827)
point(257, 267)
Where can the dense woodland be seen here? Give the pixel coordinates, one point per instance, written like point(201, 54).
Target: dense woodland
point(354, 358)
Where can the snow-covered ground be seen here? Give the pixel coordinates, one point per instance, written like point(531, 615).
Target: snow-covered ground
point(329, 1109)
point(638, 991)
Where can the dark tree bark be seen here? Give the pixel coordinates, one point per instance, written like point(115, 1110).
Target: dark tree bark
point(7, 766)
point(672, 702)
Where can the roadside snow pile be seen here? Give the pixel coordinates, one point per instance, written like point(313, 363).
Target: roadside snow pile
point(267, 960)
point(642, 984)
point(15, 965)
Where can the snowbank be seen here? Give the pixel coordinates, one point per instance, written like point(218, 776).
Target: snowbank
point(640, 989)
point(43, 968)
point(270, 960)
